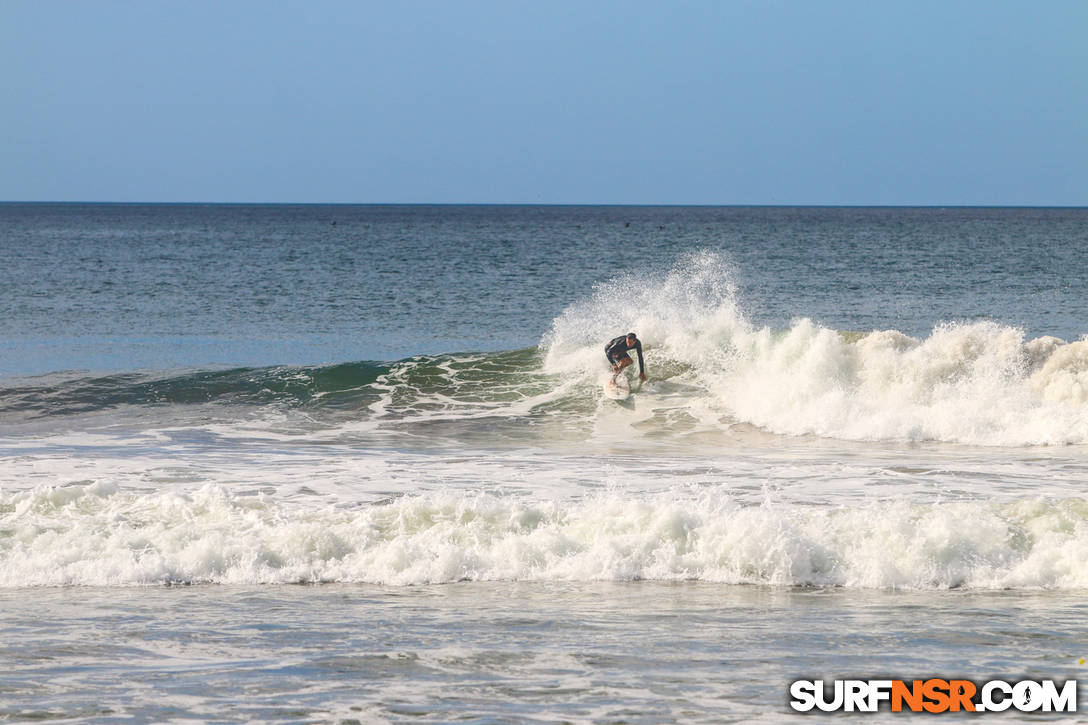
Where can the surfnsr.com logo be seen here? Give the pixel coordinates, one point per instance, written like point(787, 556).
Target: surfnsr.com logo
point(933, 695)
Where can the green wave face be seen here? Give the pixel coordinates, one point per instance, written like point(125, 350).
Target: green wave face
point(291, 386)
point(420, 385)
point(427, 401)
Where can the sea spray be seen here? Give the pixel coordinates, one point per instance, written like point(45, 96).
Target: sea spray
point(688, 315)
point(978, 383)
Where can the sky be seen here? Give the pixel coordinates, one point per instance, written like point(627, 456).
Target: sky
point(944, 102)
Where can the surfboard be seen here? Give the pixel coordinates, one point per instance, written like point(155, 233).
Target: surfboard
point(617, 387)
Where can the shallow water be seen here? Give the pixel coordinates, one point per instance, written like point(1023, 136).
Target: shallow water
point(605, 651)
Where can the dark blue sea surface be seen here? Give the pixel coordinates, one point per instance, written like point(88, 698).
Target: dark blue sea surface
point(104, 287)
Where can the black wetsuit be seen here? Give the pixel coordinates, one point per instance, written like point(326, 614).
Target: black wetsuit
point(616, 350)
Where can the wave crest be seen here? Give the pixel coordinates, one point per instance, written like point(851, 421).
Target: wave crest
point(979, 383)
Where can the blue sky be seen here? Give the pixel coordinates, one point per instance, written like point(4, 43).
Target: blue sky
point(729, 102)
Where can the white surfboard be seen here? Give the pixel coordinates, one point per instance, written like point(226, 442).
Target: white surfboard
point(617, 387)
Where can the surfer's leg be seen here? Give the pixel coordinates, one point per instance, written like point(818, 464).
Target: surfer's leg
point(621, 363)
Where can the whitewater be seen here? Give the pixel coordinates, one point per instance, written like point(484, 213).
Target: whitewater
point(379, 494)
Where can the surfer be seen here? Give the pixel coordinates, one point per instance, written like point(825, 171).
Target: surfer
point(616, 352)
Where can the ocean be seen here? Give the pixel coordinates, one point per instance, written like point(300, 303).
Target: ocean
point(353, 463)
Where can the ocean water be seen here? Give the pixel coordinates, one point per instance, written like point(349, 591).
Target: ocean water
point(353, 463)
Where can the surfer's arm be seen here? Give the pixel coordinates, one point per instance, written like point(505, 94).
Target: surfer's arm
point(641, 362)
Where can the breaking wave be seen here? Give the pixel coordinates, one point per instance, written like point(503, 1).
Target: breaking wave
point(99, 535)
point(979, 383)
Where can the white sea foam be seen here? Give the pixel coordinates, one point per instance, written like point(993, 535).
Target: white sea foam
point(101, 535)
point(979, 383)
